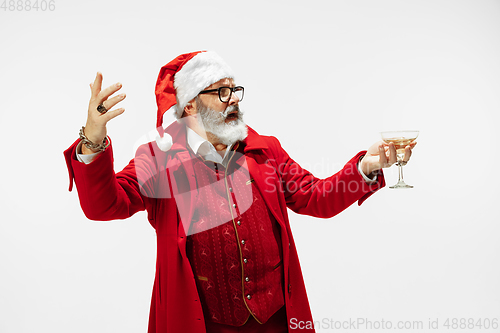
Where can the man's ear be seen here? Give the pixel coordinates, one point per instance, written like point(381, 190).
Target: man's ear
point(190, 108)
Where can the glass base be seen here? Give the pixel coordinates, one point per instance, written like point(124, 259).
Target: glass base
point(401, 184)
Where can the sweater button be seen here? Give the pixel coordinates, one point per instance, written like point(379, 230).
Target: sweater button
point(243, 241)
point(230, 189)
point(245, 260)
point(249, 297)
point(238, 223)
point(247, 279)
point(234, 205)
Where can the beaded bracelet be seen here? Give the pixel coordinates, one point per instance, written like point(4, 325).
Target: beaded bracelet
point(93, 146)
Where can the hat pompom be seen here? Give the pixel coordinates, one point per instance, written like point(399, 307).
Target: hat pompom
point(164, 143)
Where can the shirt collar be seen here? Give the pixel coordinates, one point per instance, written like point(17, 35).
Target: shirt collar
point(194, 140)
point(204, 148)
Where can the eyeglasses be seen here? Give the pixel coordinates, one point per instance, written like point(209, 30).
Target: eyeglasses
point(226, 92)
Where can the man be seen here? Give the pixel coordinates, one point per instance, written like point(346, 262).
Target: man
point(217, 194)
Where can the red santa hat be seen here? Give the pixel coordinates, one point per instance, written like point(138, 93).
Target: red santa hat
point(181, 80)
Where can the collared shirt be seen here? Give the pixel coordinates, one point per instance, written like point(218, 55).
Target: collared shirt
point(205, 149)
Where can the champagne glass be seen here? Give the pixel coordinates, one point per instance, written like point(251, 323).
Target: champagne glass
point(400, 139)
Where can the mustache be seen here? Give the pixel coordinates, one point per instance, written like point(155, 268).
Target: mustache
point(230, 109)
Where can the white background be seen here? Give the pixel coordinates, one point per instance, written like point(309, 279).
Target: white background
point(324, 77)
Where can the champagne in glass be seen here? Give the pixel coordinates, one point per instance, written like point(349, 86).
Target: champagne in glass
point(400, 139)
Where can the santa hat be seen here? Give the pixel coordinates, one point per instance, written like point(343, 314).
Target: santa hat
point(181, 80)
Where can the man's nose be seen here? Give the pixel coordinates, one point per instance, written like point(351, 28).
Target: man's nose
point(234, 99)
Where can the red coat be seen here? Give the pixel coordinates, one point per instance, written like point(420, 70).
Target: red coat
point(164, 184)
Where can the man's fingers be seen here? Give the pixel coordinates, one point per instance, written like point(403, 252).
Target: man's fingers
point(103, 95)
point(382, 156)
point(108, 104)
point(96, 86)
point(388, 154)
point(407, 154)
point(393, 155)
point(112, 114)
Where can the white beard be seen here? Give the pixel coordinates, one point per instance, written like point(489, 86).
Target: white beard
point(215, 123)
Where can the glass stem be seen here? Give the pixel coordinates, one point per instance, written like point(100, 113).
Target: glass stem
point(400, 167)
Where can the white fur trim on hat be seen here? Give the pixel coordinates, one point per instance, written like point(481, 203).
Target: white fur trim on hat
point(202, 70)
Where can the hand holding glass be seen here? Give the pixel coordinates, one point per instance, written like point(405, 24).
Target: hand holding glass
point(400, 139)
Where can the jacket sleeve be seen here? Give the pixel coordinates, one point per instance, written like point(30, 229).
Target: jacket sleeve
point(105, 195)
point(306, 194)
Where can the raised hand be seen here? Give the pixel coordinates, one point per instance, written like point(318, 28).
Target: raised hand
point(95, 128)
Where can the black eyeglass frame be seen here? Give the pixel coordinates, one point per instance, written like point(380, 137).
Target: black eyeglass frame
point(219, 89)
